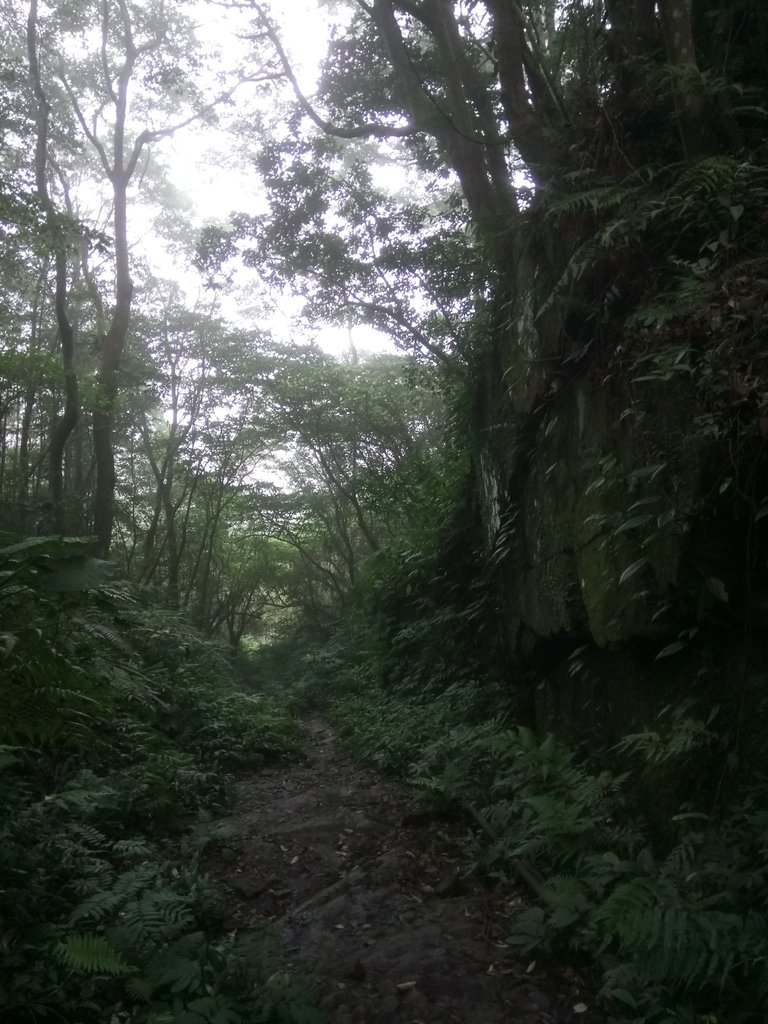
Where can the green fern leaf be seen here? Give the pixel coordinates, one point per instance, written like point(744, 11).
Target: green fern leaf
point(95, 908)
point(91, 954)
point(180, 974)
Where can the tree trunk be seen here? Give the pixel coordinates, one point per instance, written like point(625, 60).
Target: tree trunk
point(25, 429)
point(686, 78)
point(457, 131)
point(112, 345)
point(62, 425)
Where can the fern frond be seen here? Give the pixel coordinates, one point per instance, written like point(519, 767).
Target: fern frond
point(179, 974)
point(96, 908)
point(157, 917)
point(103, 633)
point(134, 847)
point(91, 954)
point(600, 199)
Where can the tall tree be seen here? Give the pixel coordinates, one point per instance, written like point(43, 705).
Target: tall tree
point(129, 85)
point(610, 167)
point(61, 244)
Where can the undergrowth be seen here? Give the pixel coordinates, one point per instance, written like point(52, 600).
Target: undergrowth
point(120, 727)
point(674, 924)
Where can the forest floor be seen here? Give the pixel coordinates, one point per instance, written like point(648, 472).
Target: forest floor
point(373, 904)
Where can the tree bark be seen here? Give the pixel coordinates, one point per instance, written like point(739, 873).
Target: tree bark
point(112, 346)
point(525, 123)
point(456, 130)
point(686, 78)
point(64, 424)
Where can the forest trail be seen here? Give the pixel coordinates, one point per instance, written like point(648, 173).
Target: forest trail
point(371, 904)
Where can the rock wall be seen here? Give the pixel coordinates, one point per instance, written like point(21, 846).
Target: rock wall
point(588, 481)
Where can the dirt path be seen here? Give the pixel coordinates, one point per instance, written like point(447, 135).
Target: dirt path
point(372, 905)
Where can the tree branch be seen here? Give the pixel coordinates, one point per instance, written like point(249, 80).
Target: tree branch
point(364, 131)
point(148, 136)
point(104, 57)
point(399, 318)
point(89, 134)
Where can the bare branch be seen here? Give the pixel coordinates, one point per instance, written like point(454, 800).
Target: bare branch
point(148, 136)
point(397, 316)
point(125, 14)
point(371, 130)
point(89, 134)
point(104, 56)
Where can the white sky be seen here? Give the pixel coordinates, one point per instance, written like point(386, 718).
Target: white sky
point(207, 165)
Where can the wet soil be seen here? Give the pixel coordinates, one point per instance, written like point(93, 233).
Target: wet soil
point(374, 906)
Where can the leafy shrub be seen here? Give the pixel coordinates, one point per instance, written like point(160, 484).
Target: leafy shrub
point(391, 731)
point(117, 721)
point(678, 932)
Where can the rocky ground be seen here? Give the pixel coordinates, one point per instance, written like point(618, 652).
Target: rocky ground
point(373, 905)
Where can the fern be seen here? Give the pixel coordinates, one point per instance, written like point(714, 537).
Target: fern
point(99, 737)
point(684, 736)
point(134, 848)
point(91, 954)
point(155, 918)
point(178, 974)
point(567, 901)
point(599, 199)
point(106, 633)
point(96, 908)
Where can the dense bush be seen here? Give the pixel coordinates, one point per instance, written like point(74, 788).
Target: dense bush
point(119, 723)
point(673, 919)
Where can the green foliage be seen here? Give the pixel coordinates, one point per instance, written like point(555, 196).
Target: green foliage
point(674, 923)
point(685, 736)
point(392, 732)
point(90, 954)
point(223, 726)
point(119, 720)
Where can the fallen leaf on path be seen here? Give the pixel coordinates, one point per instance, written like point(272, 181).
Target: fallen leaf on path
point(405, 985)
point(580, 1008)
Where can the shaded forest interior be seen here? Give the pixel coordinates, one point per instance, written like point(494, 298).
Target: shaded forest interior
point(403, 363)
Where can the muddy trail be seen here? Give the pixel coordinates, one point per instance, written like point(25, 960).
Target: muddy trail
point(372, 904)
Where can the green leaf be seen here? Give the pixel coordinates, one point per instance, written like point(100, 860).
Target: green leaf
point(623, 996)
point(48, 546)
point(91, 954)
point(670, 649)
point(648, 472)
point(716, 587)
point(633, 570)
point(74, 574)
point(643, 502)
point(7, 642)
point(7, 756)
point(634, 523)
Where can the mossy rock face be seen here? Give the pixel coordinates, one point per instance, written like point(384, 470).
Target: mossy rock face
point(594, 482)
